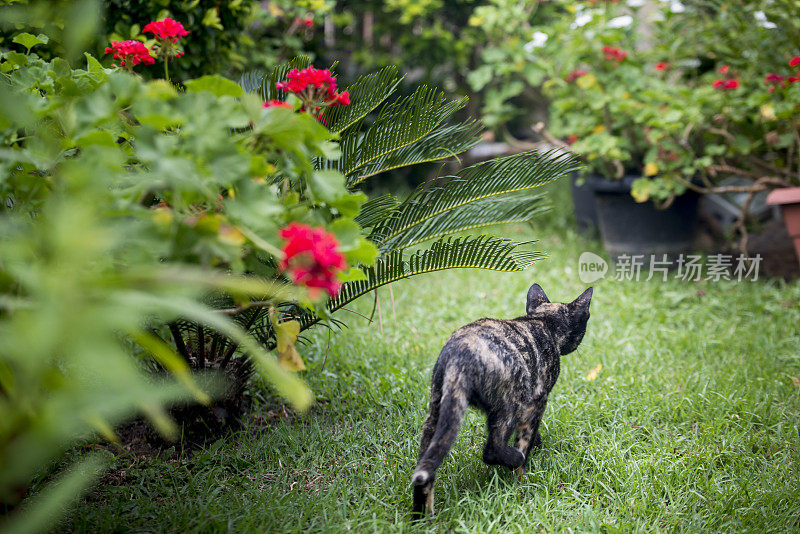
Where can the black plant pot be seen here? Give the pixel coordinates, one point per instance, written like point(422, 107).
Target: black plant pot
point(584, 204)
point(632, 228)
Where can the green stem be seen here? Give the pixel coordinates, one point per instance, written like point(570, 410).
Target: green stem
point(166, 68)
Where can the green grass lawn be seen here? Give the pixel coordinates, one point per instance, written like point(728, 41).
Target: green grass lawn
point(691, 424)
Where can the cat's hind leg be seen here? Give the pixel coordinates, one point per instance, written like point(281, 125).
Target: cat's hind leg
point(528, 435)
point(497, 451)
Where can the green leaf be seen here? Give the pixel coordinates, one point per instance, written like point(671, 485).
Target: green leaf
point(216, 85)
point(29, 41)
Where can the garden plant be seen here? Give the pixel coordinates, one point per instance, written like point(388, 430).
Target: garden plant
point(220, 304)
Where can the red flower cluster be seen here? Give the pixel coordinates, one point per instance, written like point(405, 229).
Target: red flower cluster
point(571, 138)
point(778, 81)
point(729, 82)
point(308, 22)
point(575, 74)
point(312, 257)
point(130, 53)
point(315, 87)
point(614, 54)
point(167, 30)
point(726, 84)
point(662, 65)
point(277, 104)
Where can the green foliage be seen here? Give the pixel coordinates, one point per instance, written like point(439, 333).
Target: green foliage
point(217, 37)
point(657, 113)
point(129, 210)
point(378, 134)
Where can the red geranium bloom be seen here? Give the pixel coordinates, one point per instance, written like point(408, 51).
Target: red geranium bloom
point(575, 74)
point(316, 88)
point(773, 78)
point(723, 69)
point(792, 79)
point(167, 29)
point(277, 104)
point(571, 138)
point(795, 61)
point(726, 84)
point(662, 65)
point(614, 54)
point(311, 257)
point(130, 53)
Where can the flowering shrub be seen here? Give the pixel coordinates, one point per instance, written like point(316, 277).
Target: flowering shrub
point(151, 199)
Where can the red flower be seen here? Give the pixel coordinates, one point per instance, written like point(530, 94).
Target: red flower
point(311, 257)
point(277, 104)
point(792, 79)
point(723, 69)
point(575, 74)
point(614, 54)
point(795, 61)
point(315, 87)
point(571, 138)
point(308, 22)
point(662, 65)
point(773, 79)
point(726, 84)
point(166, 30)
point(343, 98)
point(130, 53)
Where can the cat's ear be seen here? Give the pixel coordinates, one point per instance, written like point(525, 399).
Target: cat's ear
point(584, 299)
point(536, 296)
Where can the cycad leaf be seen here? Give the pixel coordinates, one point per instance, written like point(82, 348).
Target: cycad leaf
point(397, 125)
point(264, 84)
point(366, 94)
point(416, 219)
point(442, 143)
point(376, 209)
point(483, 252)
point(515, 207)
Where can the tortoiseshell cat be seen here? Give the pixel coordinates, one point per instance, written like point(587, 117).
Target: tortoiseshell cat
point(506, 369)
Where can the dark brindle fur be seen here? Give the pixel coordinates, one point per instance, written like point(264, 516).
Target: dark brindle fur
point(506, 369)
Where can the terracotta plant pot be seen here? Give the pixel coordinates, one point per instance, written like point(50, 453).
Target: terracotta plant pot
point(788, 199)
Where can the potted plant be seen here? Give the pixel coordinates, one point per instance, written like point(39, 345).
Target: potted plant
point(730, 104)
point(602, 106)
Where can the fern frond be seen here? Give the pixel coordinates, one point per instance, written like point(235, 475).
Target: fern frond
point(483, 252)
point(366, 94)
point(416, 219)
point(397, 125)
point(442, 143)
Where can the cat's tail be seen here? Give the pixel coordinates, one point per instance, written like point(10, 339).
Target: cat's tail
point(452, 407)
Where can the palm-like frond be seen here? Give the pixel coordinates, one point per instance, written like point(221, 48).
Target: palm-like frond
point(465, 201)
point(366, 94)
point(397, 125)
point(263, 83)
point(441, 143)
point(482, 252)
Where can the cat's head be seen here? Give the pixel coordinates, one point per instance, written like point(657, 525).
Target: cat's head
point(569, 318)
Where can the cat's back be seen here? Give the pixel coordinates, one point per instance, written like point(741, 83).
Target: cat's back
point(485, 343)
